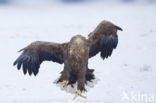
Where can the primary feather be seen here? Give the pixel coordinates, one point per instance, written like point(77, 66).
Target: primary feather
point(37, 52)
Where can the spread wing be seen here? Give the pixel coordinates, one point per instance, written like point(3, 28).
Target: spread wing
point(103, 39)
point(37, 52)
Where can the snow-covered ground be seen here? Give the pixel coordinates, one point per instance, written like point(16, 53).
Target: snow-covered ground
point(130, 71)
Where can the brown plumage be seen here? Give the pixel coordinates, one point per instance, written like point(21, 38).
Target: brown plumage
point(73, 54)
point(103, 39)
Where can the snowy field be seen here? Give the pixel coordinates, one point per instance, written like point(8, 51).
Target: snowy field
point(130, 71)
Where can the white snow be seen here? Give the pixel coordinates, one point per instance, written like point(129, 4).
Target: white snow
point(131, 68)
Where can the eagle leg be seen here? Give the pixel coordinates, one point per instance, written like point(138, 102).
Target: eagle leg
point(78, 93)
point(64, 79)
point(81, 80)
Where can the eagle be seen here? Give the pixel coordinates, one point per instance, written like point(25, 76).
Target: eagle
point(73, 54)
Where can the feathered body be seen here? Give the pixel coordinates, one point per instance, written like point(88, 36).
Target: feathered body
point(74, 54)
point(75, 61)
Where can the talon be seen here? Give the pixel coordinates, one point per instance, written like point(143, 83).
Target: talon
point(64, 82)
point(79, 94)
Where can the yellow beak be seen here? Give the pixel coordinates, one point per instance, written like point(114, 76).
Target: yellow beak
point(78, 40)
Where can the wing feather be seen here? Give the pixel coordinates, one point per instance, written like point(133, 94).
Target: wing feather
point(37, 52)
point(103, 39)
point(107, 48)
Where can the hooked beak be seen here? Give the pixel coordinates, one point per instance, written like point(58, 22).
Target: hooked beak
point(78, 40)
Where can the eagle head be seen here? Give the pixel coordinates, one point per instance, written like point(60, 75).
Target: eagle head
point(78, 40)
